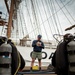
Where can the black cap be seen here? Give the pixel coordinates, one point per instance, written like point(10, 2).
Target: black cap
point(39, 36)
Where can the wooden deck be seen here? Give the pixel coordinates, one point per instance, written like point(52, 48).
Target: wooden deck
point(28, 68)
point(35, 72)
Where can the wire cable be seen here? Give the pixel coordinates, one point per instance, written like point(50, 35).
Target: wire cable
point(63, 12)
point(29, 16)
point(24, 21)
point(36, 12)
point(42, 21)
point(58, 19)
point(52, 8)
point(68, 11)
point(51, 16)
point(21, 22)
point(47, 17)
point(48, 9)
point(34, 16)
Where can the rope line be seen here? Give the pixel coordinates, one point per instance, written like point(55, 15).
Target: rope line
point(21, 22)
point(24, 21)
point(47, 17)
point(58, 19)
point(42, 20)
point(52, 8)
point(68, 11)
point(29, 16)
point(63, 12)
point(51, 16)
point(48, 9)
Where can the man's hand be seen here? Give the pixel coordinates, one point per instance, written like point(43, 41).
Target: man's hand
point(38, 43)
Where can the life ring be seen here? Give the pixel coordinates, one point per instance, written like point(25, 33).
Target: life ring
point(45, 55)
point(31, 54)
point(42, 53)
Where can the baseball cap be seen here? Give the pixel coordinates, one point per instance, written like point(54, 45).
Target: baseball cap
point(39, 36)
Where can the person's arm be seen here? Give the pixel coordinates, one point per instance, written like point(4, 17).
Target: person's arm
point(34, 43)
point(42, 45)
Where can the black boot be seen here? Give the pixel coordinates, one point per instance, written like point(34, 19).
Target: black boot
point(39, 68)
point(30, 68)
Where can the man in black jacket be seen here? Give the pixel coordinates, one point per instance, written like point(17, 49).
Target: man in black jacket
point(37, 45)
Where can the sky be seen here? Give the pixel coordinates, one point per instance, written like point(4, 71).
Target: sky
point(41, 21)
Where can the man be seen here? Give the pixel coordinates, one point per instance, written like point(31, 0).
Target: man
point(37, 45)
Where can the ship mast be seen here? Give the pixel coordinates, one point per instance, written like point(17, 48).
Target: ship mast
point(10, 19)
point(10, 12)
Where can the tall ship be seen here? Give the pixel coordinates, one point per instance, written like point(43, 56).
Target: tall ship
point(22, 20)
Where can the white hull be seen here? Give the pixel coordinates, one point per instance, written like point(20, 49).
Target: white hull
point(25, 52)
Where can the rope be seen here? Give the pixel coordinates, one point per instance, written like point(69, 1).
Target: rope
point(58, 19)
point(47, 17)
point(17, 31)
point(63, 12)
point(56, 12)
point(34, 15)
point(21, 22)
point(36, 12)
point(18, 64)
point(68, 11)
point(47, 3)
point(29, 16)
point(51, 16)
point(42, 21)
point(51, 3)
point(24, 21)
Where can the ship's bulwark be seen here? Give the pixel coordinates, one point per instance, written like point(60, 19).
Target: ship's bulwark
point(25, 52)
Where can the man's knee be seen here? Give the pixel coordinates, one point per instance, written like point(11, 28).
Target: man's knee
point(33, 60)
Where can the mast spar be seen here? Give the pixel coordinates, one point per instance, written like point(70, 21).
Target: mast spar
point(69, 28)
point(10, 18)
point(13, 7)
